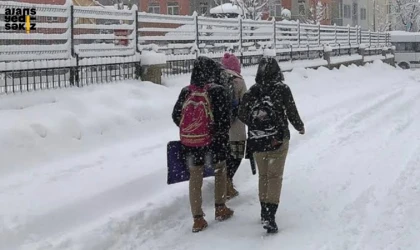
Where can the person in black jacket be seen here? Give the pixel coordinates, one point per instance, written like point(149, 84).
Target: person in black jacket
point(206, 71)
point(269, 82)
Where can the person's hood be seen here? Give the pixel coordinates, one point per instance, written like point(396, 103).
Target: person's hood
point(205, 71)
point(269, 72)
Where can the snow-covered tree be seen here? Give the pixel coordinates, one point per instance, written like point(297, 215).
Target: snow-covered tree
point(405, 15)
point(252, 8)
point(316, 13)
point(380, 18)
point(286, 14)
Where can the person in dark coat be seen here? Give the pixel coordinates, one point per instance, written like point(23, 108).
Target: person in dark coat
point(269, 82)
point(206, 71)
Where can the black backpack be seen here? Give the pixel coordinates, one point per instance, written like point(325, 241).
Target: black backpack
point(264, 131)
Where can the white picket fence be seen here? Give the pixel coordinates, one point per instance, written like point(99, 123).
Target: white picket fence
point(66, 32)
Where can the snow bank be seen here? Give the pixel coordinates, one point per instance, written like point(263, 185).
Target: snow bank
point(77, 119)
point(336, 194)
point(152, 58)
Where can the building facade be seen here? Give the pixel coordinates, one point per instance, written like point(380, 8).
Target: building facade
point(369, 15)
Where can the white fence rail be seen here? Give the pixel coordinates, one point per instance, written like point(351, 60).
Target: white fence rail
point(67, 32)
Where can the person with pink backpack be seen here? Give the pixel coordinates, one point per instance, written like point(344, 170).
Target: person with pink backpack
point(202, 113)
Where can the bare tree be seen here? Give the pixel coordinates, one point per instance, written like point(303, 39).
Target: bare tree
point(405, 15)
point(316, 13)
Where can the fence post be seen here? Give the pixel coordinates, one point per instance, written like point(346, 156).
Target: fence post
point(197, 40)
point(240, 39)
point(298, 30)
point(137, 33)
point(72, 30)
point(357, 35)
point(335, 33)
point(74, 70)
point(274, 35)
point(348, 26)
point(370, 38)
point(378, 38)
point(319, 34)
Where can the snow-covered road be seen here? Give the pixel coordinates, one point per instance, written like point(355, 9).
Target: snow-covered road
point(86, 169)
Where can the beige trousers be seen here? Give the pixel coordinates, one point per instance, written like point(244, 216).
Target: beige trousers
point(270, 169)
point(196, 183)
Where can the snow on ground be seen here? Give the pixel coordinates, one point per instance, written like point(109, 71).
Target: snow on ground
point(86, 168)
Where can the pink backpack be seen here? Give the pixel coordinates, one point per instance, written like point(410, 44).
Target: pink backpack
point(196, 118)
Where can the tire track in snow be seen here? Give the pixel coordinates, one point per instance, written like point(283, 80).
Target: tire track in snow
point(330, 125)
point(363, 209)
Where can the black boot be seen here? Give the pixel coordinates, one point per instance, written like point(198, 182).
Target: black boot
point(270, 224)
point(264, 212)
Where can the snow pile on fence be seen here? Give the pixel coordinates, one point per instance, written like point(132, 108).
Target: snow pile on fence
point(152, 58)
point(227, 8)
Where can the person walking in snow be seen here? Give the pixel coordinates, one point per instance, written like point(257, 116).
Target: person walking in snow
point(266, 109)
point(237, 133)
point(202, 113)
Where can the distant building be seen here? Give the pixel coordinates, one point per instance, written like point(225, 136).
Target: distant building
point(369, 15)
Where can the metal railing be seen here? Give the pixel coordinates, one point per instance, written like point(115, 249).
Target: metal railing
point(78, 46)
point(14, 81)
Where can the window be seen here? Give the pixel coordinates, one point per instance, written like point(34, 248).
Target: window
point(51, 19)
point(275, 10)
point(204, 7)
point(347, 11)
point(278, 9)
point(173, 8)
point(154, 8)
point(407, 47)
point(363, 14)
point(302, 10)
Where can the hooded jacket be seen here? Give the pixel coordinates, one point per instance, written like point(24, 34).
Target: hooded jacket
point(237, 130)
point(269, 81)
point(207, 71)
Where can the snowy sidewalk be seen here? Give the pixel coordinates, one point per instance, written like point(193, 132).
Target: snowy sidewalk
point(99, 181)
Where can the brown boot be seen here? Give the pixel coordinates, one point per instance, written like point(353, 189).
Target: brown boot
point(231, 192)
point(199, 224)
point(222, 212)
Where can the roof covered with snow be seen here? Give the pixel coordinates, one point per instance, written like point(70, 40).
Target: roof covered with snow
point(227, 8)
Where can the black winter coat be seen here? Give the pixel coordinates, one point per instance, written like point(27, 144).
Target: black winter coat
point(269, 82)
point(206, 71)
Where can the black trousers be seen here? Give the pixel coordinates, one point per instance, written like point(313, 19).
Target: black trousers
point(232, 164)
